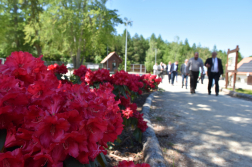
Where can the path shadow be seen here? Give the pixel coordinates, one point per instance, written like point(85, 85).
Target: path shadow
point(217, 135)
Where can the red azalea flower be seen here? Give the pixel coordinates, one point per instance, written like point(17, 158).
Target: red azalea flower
point(114, 128)
point(126, 164)
point(80, 71)
point(40, 159)
point(51, 129)
point(142, 125)
point(23, 66)
point(127, 113)
point(89, 77)
point(95, 150)
point(55, 103)
point(12, 159)
point(58, 69)
point(74, 143)
point(125, 102)
point(94, 127)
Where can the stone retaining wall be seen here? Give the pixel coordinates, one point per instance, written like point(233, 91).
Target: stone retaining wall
point(152, 152)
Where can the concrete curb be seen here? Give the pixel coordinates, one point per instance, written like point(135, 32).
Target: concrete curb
point(151, 149)
point(236, 94)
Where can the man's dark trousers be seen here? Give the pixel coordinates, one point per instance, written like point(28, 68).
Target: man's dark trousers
point(173, 76)
point(184, 76)
point(193, 79)
point(202, 77)
point(169, 77)
point(215, 76)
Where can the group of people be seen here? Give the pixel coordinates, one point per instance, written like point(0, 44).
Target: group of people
point(170, 69)
point(196, 69)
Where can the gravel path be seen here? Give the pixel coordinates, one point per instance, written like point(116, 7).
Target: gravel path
point(202, 130)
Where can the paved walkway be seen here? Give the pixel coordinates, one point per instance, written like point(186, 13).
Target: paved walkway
point(214, 130)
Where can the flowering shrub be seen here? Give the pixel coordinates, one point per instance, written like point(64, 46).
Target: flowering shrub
point(47, 120)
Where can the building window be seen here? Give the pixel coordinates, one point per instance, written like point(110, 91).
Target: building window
point(114, 65)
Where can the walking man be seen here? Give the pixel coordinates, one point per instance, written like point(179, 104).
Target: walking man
point(168, 70)
point(192, 67)
point(202, 74)
point(215, 70)
point(183, 72)
point(162, 70)
point(174, 71)
point(155, 69)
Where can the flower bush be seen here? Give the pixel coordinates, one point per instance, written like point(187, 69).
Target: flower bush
point(46, 119)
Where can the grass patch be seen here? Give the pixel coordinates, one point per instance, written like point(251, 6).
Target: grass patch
point(161, 90)
point(242, 91)
point(170, 144)
point(159, 118)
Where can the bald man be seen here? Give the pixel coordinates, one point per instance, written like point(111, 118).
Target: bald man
point(214, 71)
point(193, 66)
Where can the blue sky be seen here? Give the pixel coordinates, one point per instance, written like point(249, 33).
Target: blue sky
point(224, 23)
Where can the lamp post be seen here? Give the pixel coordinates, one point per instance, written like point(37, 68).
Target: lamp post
point(125, 68)
point(155, 56)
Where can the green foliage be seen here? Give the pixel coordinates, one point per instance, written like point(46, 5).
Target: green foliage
point(84, 30)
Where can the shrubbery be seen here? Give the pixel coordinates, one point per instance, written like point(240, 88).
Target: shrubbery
point(48, 119)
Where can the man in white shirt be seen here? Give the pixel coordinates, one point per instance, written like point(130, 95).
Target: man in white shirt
point(202, 74)
point(214, 71)
point(174, 70)
point(168, 70)
point(155, 69)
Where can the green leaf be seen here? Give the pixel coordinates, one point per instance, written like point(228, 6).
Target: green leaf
point(102, 160)
point(87, 165)
point(71, 161)
point(136, 134)
point(92, 163)
point(3, 133)
point(118, 140)
point(140, 136)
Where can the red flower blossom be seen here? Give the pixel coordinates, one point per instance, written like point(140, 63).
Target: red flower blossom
point(80, 71)
point(127, 113)
point(23, 66)
point(58, 69)
point(51, 129)
point(12, 159)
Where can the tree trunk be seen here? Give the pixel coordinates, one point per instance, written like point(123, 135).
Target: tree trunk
point(79, 51)
point(16, 23)
point(39, 49)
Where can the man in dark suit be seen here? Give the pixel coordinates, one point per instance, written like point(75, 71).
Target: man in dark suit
point(168, 71)
point(174, 71)
point(214, 71)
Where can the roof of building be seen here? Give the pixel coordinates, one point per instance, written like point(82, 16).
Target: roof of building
point(245, 66)
point(110, 55)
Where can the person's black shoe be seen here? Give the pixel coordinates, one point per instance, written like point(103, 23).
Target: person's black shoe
point(209, 93)
point(182, 85)
point(217, 94)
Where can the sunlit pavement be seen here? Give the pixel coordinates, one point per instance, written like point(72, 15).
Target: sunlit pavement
point(218, 128)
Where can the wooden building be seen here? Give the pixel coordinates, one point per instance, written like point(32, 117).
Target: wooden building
point(111, 62)
point(244, 71)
